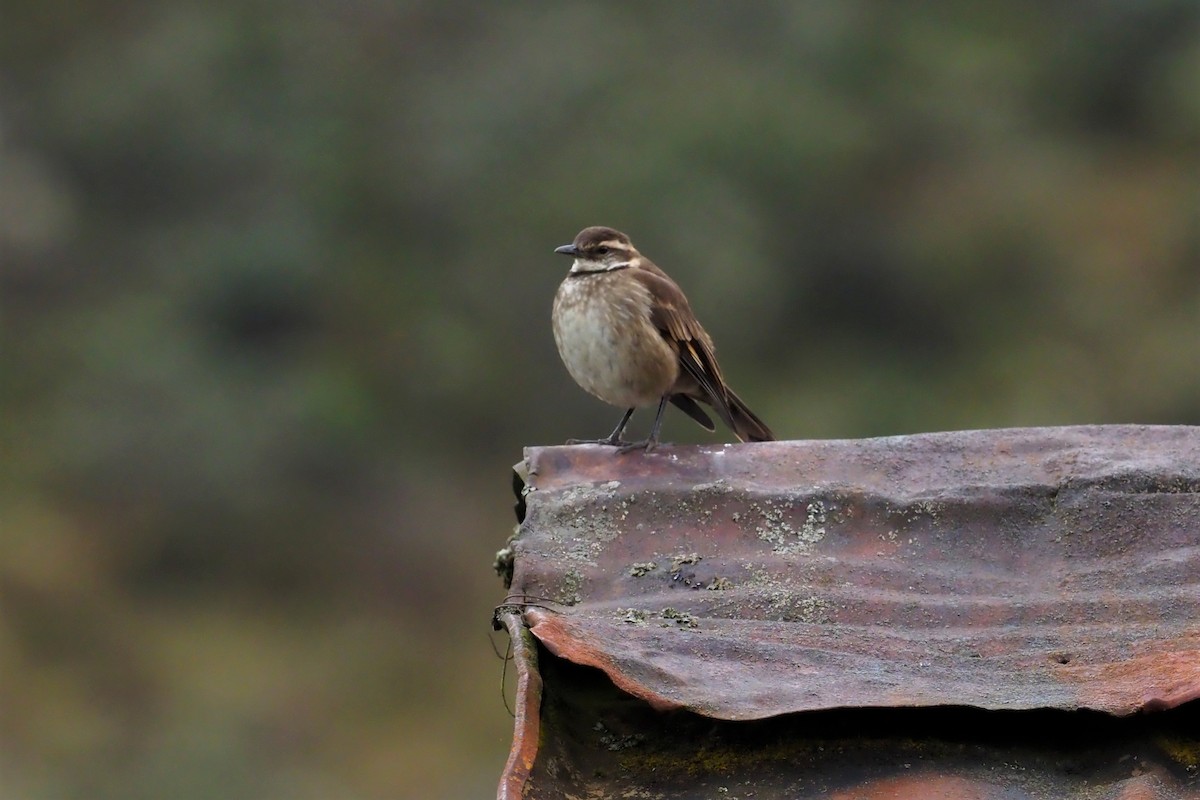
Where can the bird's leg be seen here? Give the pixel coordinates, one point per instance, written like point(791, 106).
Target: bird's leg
point(614, 438)
point(649, 443)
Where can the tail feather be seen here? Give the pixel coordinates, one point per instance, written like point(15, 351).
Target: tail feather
point(745, 423)
point(688, 406)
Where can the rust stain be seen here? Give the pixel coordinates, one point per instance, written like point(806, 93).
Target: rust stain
point(1142, 788)
point(1163, 677)
point(943, 787)
point(925, 787)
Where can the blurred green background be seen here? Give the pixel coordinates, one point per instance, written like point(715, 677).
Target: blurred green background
point(275, 283)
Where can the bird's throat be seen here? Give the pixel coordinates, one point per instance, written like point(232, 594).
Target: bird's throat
point(578, 270)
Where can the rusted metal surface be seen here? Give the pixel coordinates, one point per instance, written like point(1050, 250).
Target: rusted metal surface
point(1009, 569)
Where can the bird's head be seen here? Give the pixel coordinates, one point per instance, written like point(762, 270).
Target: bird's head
point(599, 249)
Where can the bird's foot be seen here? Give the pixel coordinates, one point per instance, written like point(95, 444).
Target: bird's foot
point(645, 445)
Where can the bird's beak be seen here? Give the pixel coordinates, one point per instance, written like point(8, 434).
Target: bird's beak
point(567, 250)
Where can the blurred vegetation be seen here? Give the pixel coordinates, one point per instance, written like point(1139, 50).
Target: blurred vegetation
point(274, 292)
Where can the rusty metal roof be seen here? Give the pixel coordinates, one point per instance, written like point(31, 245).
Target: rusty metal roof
point(989, 570)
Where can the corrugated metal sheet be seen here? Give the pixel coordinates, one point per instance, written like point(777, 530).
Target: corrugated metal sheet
point(1012, 569)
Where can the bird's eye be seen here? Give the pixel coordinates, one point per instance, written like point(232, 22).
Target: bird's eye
point(602, 250)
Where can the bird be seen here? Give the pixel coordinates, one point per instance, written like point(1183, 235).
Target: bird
point(627, 335)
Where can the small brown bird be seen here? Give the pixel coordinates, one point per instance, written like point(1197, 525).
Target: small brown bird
point(628, 336)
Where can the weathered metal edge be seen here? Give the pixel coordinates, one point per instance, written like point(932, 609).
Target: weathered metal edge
point(527, 719)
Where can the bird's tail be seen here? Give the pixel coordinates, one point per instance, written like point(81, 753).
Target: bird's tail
point(744, 422)
point(689, 407)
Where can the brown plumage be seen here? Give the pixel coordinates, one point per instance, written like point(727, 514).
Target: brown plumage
point(627, 335)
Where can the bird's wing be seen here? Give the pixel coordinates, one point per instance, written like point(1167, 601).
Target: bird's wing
point(671, 314)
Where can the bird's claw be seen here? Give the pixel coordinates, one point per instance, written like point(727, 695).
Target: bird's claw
point(645, 445)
